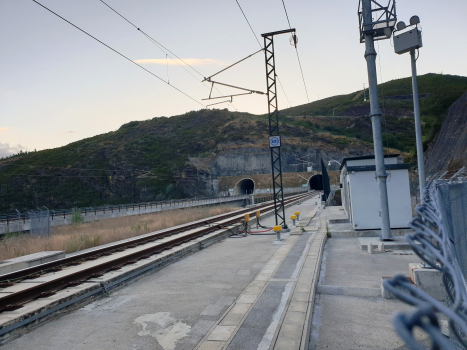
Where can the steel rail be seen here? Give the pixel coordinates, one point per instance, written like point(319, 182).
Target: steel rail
point(16, 300)
point(25, 273)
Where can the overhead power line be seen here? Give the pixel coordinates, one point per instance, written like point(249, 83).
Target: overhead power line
point(303, 77)
point(298, 57)
point(164, 49)
point(117, 52)
point(249, 24)
point(283, 3)
point(262, 47)
point(283, 91)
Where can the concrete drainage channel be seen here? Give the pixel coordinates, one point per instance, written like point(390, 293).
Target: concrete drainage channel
point(15, 323)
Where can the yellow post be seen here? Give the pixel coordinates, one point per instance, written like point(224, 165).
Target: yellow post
point(297, 213)
point(277, 229)
point(293, 217)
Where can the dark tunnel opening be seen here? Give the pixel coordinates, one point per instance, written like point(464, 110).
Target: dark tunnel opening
point(316, 182)
point(245, 186)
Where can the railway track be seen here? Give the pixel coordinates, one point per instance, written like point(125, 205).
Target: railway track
point(69, 273)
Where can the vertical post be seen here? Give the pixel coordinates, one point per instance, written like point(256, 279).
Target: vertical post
point(375, 113)
point(276, 163)
point(418, 126)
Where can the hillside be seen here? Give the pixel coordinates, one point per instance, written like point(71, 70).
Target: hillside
point(437, 93)
point(185, 155)
point(158, 159)
point(449, 150)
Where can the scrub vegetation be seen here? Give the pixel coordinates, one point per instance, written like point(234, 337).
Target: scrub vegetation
point(437, 93)
point(72, 238)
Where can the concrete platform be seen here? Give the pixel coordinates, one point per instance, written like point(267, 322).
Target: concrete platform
point(206, 299)
point(29, 260)
point(399, 243)
point(349, 311)
point(309, 291)
point(345, 230)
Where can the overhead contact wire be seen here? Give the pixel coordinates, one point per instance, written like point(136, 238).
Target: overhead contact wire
point(56, 14)
point(283, 91)
point(254, 34)
point(283, 3)
point(296, 50)
point(249, 24)
point(163, 48)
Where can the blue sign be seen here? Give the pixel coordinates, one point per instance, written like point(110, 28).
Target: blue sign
point(274, 141)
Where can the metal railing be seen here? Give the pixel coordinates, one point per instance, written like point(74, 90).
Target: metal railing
point(14, 220)
point(10, 219)
point(39, 222)
point(431, 242)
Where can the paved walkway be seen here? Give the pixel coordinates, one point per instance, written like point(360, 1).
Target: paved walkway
point(349, 312)
point(243, 293)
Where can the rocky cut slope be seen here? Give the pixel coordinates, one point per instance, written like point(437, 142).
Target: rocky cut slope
point(449, 151)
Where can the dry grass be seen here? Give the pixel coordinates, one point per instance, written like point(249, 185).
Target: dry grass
point(72, 238)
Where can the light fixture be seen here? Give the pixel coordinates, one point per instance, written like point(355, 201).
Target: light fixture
point(401, 25)
point(414, 20)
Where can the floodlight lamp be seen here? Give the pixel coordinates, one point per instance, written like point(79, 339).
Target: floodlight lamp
point(377, 19)
point(414, 20)
point(387, 32)
point(401, 25)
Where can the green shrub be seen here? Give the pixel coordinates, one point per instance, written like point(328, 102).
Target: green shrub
point(76, 217)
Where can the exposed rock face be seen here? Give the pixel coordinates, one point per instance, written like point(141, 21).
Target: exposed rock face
point(250, 160)
point(449, 151)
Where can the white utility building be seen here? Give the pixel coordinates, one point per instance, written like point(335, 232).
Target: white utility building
point(360, 194)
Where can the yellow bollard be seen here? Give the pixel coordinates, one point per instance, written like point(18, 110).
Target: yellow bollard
point(258, 214)
point(297, 213)
point(293, 217)
point(277, 229)
point(247, 217)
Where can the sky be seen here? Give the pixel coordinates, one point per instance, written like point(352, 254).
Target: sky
point(58, 85)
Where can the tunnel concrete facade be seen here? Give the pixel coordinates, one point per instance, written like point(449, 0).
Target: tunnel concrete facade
point(244, 186)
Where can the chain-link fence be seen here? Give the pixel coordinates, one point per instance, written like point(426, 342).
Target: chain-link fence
point(39, 222)
point(433, 241)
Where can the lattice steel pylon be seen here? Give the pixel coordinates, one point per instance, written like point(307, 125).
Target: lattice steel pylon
point(274, 136)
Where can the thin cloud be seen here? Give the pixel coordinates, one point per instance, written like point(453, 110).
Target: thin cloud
point(6, 150)
point(173, 62)
point(68, 132)
point(4, 128)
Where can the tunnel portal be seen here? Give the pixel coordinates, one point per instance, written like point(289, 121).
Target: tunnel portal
point(316, 182)
point(244, 186)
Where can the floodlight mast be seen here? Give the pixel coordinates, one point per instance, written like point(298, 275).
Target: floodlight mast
point(277, 188)
point(369, 30)
point(418, 126)
point(409, 41)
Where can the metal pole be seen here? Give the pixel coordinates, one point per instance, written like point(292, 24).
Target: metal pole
point(375, 113)
point(418, 126)
point(276, 163)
